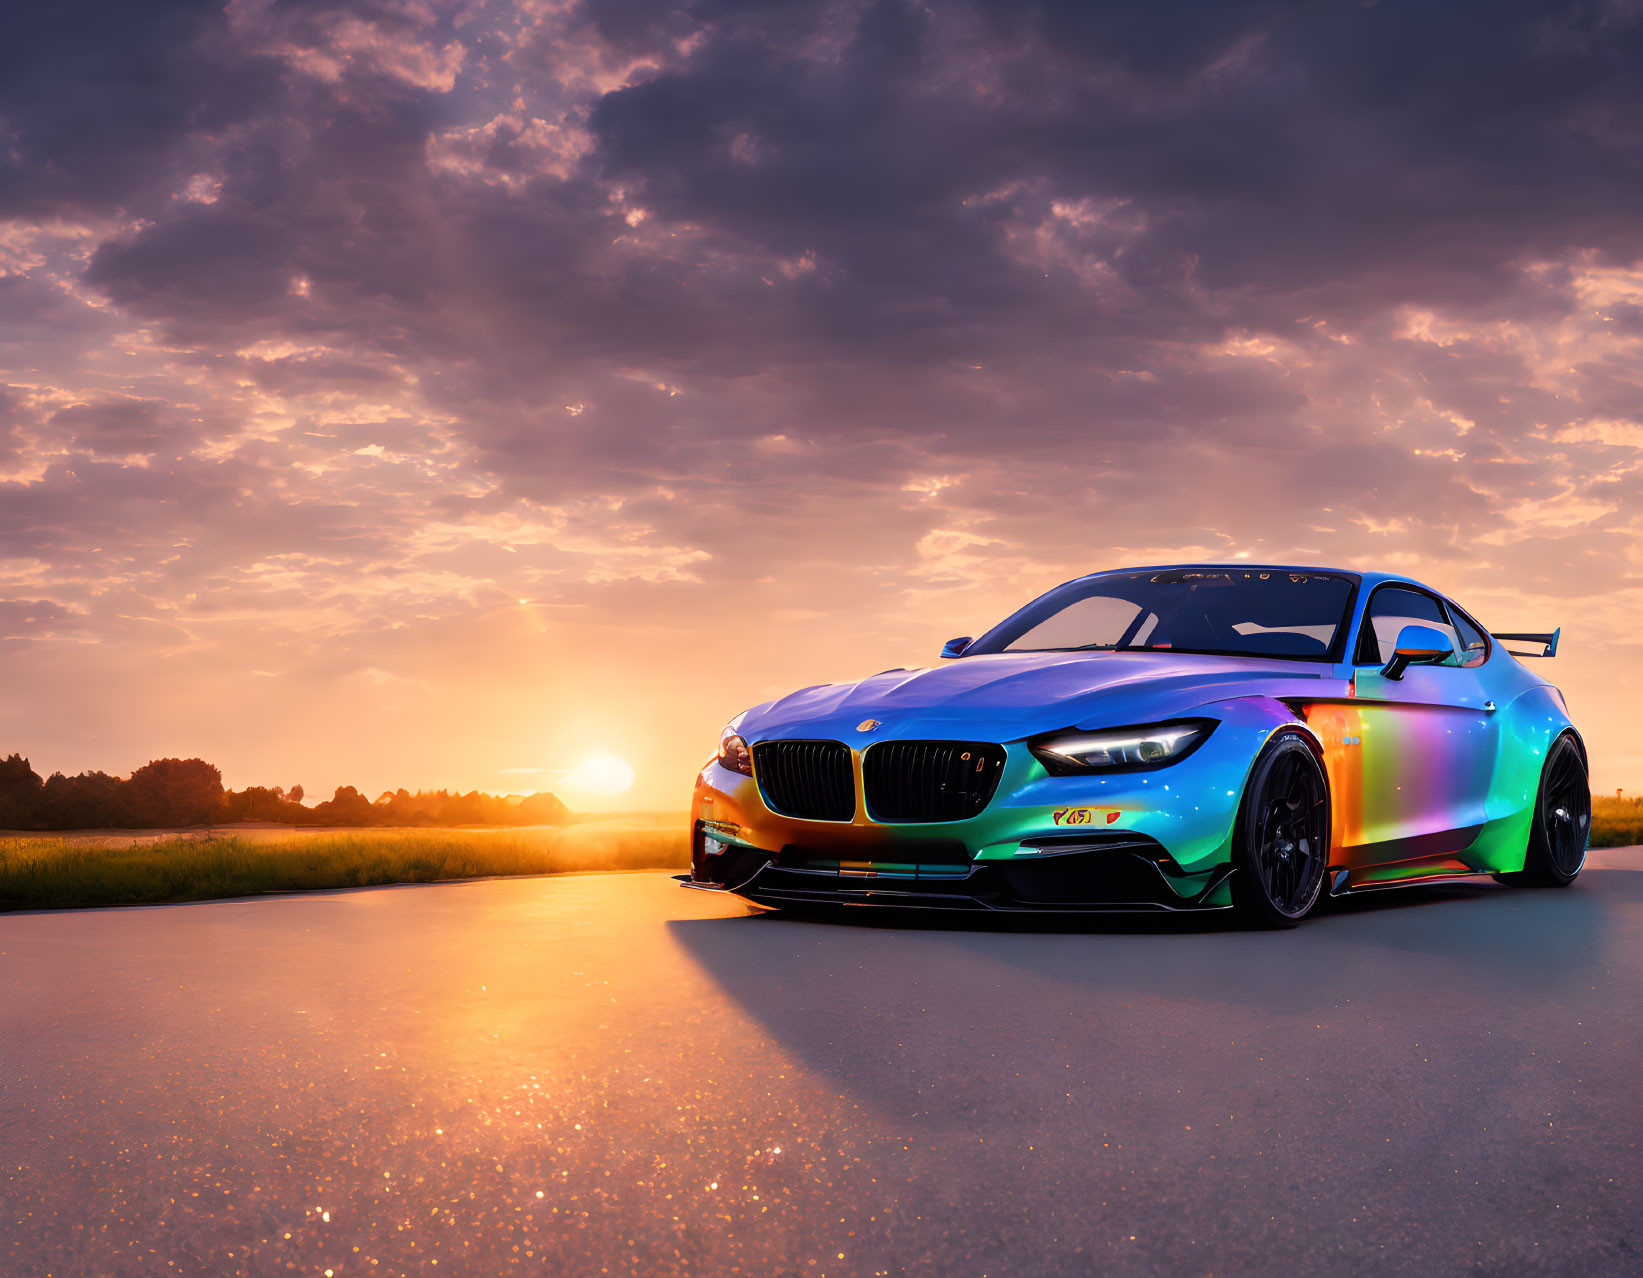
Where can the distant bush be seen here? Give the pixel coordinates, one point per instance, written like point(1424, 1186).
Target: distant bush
point(167, 793)
point(21, 793)
point(174, 792)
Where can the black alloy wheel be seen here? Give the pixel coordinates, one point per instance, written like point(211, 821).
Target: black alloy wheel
point(1281, 847)
point(1562, 820)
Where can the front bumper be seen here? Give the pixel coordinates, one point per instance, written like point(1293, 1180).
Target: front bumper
point(1112, 875)
point(1145, 841)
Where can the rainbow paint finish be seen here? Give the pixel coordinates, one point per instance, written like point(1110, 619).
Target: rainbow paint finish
point(1433, 770)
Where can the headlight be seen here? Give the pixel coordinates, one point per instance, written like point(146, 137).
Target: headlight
point(1153, 745)
point(733, 752)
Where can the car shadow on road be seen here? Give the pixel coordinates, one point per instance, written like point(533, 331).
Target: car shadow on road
point(879, 999)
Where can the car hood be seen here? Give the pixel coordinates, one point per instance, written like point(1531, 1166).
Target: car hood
point(1009, 695)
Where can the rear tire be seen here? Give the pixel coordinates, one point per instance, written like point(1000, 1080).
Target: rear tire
point(1562, 821)
point(1280, 847)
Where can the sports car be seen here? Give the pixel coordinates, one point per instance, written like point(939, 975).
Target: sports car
point(1192, 737)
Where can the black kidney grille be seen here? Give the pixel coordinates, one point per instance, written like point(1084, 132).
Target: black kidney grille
point(930, 780)
point(811, 780)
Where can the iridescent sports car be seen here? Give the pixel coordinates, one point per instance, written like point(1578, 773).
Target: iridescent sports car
point(1200, 737)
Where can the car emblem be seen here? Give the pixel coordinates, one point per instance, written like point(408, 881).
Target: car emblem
point(868, 725)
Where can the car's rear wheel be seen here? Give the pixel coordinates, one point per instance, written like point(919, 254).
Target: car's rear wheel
point(1562, 821)
point(1280, 848)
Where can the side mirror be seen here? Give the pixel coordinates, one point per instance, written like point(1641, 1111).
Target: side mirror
point(1418, 646)
point(955, 647)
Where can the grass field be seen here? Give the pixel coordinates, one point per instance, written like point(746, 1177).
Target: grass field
point(1616, 823)
point(57, 873)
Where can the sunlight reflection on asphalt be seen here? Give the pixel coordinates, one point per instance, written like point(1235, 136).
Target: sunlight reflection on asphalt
point(603, 1073)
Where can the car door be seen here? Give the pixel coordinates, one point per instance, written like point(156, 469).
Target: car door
point(1426, 741)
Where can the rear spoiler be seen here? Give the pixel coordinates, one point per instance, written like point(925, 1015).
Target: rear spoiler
point(1549, 640)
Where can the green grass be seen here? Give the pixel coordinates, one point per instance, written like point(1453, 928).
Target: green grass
point(48, 873)
point(1616, 823)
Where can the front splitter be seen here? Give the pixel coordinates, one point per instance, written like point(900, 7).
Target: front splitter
point(1118, 885)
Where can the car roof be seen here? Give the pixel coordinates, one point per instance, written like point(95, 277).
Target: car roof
point(1369, 579)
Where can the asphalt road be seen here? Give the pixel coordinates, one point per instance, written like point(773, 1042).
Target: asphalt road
point(604, 1074)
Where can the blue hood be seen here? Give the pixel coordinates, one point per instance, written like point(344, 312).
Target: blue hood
point(1007, 696)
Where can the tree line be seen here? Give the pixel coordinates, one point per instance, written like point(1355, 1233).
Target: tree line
point(180, 792)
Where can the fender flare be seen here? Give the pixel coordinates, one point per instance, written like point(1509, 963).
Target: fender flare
point(1268, 717)
point(1525, 735)
point(1278, 716)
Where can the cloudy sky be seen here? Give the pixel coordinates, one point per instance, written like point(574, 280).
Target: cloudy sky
point(437, 394)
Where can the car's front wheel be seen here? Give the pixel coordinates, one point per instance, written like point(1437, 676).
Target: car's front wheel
point(1562, 821)
point(1280, 848)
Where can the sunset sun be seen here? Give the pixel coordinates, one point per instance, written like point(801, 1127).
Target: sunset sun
point(599, 776)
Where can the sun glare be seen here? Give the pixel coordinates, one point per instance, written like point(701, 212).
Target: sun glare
point(603, 774)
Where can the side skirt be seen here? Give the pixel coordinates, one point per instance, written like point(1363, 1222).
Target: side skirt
point(1341, 884)
point(1446, 856)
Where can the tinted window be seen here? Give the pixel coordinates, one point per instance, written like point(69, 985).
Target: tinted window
point(1255, 613)
point(1473, 642)
point(1391, 608)
point(1073, 625)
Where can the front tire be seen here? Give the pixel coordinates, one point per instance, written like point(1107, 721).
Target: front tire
point(1280, 848)
point(1562, 821)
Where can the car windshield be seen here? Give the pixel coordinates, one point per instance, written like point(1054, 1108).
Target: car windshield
point(1257, 612)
